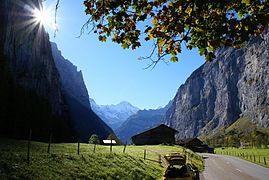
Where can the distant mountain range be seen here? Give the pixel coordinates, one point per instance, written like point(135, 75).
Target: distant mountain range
point(114, 115)
point(141, 121)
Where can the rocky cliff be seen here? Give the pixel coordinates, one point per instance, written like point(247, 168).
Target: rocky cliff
point(84, 120)
point(71, 79)
point(140, 122)
point(31, 91)
point(25, 45)
point(234, 85)
point(30, 84)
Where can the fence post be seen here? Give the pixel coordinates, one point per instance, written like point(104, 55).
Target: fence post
point(50, 138)
point(264, 160)
point(124, 147)
point(160, 161)
point(111, 145)
point(78, 146)
point(145, 154)
point(29, 146)
point(94, 147)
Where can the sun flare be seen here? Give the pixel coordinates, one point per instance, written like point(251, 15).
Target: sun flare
point(44, 17)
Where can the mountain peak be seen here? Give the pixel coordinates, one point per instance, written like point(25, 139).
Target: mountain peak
point(124, 103)
point(114, 115)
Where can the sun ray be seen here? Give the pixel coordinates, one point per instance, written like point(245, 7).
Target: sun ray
point(45, 17)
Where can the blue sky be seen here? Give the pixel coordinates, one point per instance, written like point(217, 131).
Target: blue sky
point(112, 74)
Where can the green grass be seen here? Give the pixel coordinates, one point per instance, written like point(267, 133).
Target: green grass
point(247, 154)
point(242, 130)
point(63, 162)
point(242, 124)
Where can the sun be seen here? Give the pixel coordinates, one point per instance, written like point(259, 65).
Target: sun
point(44, 17)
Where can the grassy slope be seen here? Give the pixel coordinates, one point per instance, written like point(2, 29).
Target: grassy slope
point(64, 163)
point(242, 127)
point(247, 154)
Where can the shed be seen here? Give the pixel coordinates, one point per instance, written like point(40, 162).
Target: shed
point(161, 134)
point(196, 145)
point(190, 142)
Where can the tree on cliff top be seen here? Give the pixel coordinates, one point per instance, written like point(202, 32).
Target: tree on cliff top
point(205, 25)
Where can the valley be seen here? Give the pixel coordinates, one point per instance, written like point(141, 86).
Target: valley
point(52, 126)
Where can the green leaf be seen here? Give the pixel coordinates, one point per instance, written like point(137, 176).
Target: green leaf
point(174, 59)
point(147, 39)
point(102, 38)
point(210, 56)
point(247, 2)
point(202, 51)
point(155, 21)
point(125, 46)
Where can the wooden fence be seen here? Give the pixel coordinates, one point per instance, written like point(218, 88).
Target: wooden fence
point(161, 158)
point(258, 159)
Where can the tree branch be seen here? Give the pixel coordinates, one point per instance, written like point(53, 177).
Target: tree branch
point(55, 17)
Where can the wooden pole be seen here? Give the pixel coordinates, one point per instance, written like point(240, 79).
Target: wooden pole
point(145, 154)
point(124, 147)
point(264, 160)
point(111, 145)
point(94, 148)
point(29, 146)
point(50, 138)
point(78, 146)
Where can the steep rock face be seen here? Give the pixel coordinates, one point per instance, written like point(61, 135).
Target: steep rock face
point(26, 45)
point(140, 122)
point(29, 81)
point(71, 79)
point(114, 115)
point(235, 84)
point(84, 120)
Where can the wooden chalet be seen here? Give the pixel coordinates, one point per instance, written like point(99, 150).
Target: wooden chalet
point(190, 142)
point(195, 145)
point(161, 134)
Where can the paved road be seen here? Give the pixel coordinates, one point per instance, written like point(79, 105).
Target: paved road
point(220, 167)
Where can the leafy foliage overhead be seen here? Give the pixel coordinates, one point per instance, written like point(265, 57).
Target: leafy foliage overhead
point(205, 25)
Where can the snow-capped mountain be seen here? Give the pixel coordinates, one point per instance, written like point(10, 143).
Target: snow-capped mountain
point(141, 121)
point(114, 115)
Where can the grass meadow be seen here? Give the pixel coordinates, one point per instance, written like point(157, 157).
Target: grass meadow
point(257, 156)
point(64, 162)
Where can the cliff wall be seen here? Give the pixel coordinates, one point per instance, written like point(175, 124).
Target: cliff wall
point(234, 85)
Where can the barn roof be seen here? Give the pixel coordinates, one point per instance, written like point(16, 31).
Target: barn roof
point(152, 129)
